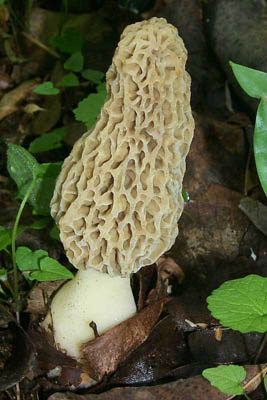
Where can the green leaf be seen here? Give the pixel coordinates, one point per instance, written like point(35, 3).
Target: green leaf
point(54, 233)
point(185, 196)
point(48, 141)
point(241, 304)
point(46, 89)
point(3, 274)
point(44, 188)
point(41, 223)
point(28, 260)
point(227, 378)
point(89, 108)
point(69, 80)
point(70, 42)
point(23, 168)
point(260, 143)
point(6, 236)
point(51, 270)
point(252, 81)
point(265, 383)
point(93, 75)
point(75, 62)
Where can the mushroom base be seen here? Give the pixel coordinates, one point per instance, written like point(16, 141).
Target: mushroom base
point(89, 296)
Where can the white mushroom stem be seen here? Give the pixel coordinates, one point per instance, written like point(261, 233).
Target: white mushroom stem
point(89, 296)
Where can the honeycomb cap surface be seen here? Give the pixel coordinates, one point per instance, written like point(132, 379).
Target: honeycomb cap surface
point(118, 197)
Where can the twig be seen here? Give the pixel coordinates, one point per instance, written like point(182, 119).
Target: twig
point(251, 381)
point(263, 343)
point(40, 44)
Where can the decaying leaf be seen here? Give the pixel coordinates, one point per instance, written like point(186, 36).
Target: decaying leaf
point(103, 355)
point(11, 100)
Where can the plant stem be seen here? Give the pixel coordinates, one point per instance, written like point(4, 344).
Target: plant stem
point(13, 244)
point(246, 396)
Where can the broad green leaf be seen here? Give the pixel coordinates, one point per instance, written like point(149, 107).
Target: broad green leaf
point(28, 260)
point(89, 108)
point(51, 270)
point(23, 168)
point(241, 304)
point(69, 80)
point(3, 274)
point(227, 378)
point(252, 81)
point(69, 42)
point(260, 143)
point(93, 75)
point(6, 236)
point(44, 188)
point(75, 62)
point(48, 141)
point(46, 89)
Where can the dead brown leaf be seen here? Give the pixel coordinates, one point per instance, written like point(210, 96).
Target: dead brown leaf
point(10, 101)
point(103, 355)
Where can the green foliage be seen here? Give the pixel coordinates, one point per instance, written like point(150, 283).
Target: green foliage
point(89, 108)
point(237, 304)
point(227, 378)
point(48, 141)
point(69, 42)
point(185, 196)
point(69, 80)
point(92, 75)
point(23, 168)
point(46, 89)
point(75, 62)
point(254, 83)
point(40, 266)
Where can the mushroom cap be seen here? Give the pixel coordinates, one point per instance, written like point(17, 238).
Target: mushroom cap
point(118, 197)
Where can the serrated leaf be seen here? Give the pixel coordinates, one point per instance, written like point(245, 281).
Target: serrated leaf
point(69, 42)
point(69, 80)
point(252, 81)
point(75, 62)
point(46, 89)
point(3, 274)
point(241, 304)
point(51, 270)
point(260, 143)
point(227, 378)
point(28, 260)
point(48, 141)
point(93, 75)
point(89, 108)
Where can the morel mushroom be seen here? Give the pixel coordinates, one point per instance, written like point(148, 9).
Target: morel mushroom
point(119, 195)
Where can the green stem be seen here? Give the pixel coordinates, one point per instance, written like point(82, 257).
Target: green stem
point(246, 396)
point(13, 244)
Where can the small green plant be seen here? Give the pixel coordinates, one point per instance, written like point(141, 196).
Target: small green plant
point(87, 111)
point(35, 185)
point(254, 83)
point(237, 305)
